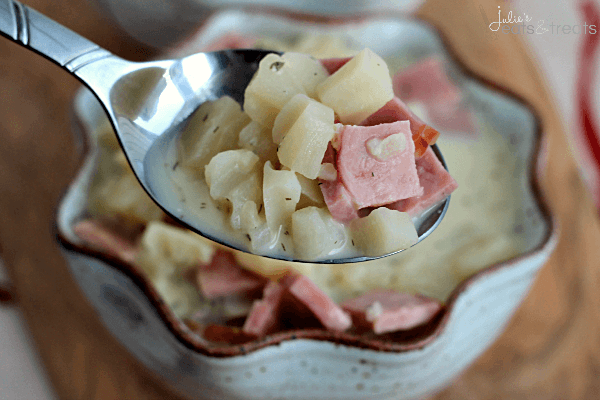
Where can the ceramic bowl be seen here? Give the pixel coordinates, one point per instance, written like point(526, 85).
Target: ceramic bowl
point(314, 364)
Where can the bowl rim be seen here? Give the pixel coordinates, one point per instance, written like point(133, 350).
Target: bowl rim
point(406, 341)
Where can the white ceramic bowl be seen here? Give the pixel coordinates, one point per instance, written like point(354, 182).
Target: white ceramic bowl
point(314, 364)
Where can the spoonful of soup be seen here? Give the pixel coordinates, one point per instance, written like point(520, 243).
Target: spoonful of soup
point(283, 156)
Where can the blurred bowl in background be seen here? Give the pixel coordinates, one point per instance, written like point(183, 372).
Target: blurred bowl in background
point(317, 364)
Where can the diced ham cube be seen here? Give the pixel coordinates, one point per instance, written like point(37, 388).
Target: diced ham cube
point(264, 316)
point(396, 110)
point(104, 239)
point(437, 184)
point(322, 306)
point(338, 200)
point(457, 119)
point(333, 64)
point(223, 277)
point(388, 310)
point(330, 156)
point(426, 82)
point(374, 179)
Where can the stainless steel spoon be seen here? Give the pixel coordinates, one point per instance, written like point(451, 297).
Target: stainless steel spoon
point(149, 103)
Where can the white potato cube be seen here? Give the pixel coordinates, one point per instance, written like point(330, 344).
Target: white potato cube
point(311, 194)
point(383, 231)
point(304, 145)
point(214, 127)
point(281, 193)
point(254, 224)
point(249, 190)
point(272, 86)
point(288, 115)
point(257, 138)
point(358, 89)
point(228, 169)
point(235, 176)
point(166, 249)
point(278, 79)
point(309, 71)
point(123, 195)
point(315, 233)
point(180, 295)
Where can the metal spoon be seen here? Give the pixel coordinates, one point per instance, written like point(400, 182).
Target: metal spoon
point(148, 103)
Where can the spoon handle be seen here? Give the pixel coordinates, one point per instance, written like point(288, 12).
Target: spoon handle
point(47, 37)
point(90, 63)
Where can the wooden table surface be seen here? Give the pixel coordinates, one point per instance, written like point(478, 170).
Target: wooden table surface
point(550, 350)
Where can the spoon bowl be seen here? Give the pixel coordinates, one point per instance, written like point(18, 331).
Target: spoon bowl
point(149, 104)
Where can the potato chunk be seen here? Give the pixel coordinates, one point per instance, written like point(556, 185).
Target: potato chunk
point(358, 89)
point(383, 231)
point(249, 190)
point(277, 80)
point(234, 175)
point(304, 144)
point(123, 195)
point(315, 233)
point(309, 71)
point(254, 224)
point(213, 128)
point(228, 169)
point(311, 194)
point(272, 86)
point(180, 295)
point(257, 138)
point(281, 193)
point(288, 115)
point(166, 249)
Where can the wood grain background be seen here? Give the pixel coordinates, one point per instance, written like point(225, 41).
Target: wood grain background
point(550, 350)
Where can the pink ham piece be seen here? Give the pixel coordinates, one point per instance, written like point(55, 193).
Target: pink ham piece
point(395, 110)
point(437, 184)
point(223, 277)
point(333, 64)
point(426, 82)
point(388, 310)
point(372, 181)
point(322, 306)
point(459, 119)
point(338, 200)
point(105, 240)
point(264, 316)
